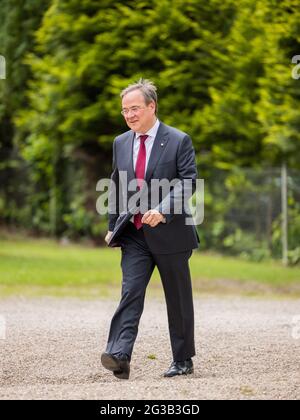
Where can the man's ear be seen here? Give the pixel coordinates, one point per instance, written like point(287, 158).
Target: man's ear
point(152, 105)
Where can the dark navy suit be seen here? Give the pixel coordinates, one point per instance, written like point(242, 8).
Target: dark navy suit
point(168, 245)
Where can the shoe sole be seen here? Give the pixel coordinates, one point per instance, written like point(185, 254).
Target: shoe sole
point(187, 372)
point(111, 364)
point(120, 374)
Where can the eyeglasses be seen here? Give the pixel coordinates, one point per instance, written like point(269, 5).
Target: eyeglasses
point(133, 109)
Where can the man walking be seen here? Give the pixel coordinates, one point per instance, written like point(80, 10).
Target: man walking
point(159, 236)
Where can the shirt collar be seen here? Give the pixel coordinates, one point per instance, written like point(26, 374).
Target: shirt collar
point(152, 132)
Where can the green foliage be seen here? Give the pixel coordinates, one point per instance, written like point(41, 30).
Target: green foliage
point(246, 246)
point(293, 233)
point(18, 21)
point(243, 214)
point(224, 75)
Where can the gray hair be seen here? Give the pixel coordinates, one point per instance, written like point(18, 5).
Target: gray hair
point(147, 88)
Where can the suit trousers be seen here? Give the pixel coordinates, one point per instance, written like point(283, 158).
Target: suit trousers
point(137, 265)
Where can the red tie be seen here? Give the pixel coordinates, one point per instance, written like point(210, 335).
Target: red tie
point(140, 174)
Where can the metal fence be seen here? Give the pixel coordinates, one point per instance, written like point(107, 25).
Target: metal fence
point(254, 211)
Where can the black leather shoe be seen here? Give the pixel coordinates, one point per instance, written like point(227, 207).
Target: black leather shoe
point(180, 368)
point(120, 366)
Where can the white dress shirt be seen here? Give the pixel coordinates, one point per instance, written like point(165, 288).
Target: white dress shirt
point(148, 143)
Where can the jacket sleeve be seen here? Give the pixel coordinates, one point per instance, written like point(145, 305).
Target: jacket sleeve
point(113, 194)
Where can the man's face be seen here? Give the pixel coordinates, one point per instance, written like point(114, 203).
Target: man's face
point(138, 116)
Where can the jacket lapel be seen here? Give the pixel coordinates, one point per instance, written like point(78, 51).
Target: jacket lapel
point(158, 147)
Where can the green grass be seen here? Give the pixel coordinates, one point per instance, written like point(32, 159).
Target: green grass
point(270, 272)
point(36, 266)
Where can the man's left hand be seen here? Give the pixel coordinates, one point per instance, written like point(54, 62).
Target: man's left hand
point(153, 218)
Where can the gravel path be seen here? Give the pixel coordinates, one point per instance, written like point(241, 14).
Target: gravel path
point(246, 349)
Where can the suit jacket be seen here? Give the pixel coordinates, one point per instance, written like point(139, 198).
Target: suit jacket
point(172, 157)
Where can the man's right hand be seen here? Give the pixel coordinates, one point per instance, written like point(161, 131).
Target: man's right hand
point(108, 236)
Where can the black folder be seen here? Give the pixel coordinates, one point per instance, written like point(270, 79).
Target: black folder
point(120, 225)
